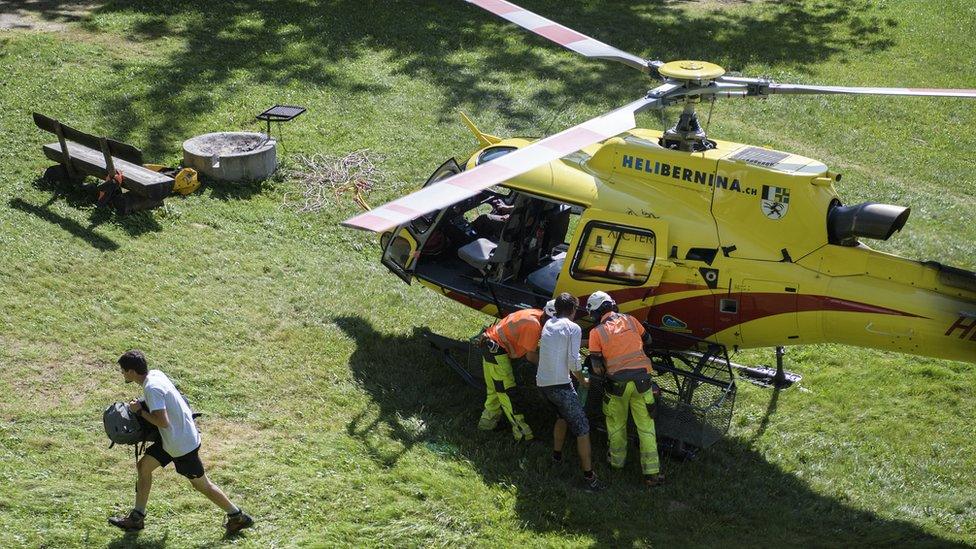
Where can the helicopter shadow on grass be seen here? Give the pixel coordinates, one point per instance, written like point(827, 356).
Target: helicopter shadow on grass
point(316, 41)
point(730, 494)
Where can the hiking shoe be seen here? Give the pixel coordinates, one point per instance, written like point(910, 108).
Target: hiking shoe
point(653, 480)
point(133, 522)
point(593, 484)
point(238, 522)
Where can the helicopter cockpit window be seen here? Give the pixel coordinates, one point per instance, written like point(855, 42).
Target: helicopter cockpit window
point(422, 223)
point(492, 153)
point(611, 253)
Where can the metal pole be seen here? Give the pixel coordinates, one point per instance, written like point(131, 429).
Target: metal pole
point(779, 380)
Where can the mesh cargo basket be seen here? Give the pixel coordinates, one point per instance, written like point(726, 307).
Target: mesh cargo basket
point(697, 389)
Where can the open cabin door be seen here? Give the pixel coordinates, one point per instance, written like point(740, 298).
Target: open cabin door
point(617, 253)
point(400, 252)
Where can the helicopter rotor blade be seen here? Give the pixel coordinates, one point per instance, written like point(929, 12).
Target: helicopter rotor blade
point(798, 89)
point(468, 183)
point(761, 88)
point(562, 35)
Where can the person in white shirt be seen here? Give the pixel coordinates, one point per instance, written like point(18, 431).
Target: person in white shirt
point(166, 408)
point(559, 358)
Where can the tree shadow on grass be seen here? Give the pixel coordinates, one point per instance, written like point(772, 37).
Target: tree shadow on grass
point(87, 234)
point(731, 494)
point(468, 53)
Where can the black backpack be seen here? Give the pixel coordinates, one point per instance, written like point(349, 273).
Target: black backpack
point(125, 427)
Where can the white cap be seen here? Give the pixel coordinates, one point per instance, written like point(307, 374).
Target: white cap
point(596, 300)
point(550, 308)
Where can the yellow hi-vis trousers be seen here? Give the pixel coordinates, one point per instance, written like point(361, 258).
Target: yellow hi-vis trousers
point(616, 408)
point(499, 381)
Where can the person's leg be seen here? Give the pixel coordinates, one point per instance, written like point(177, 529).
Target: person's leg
point(493, 408)
point(583, 448)
point(504, 389)
point(214, 493)
point(191, 467)
point(135, 520)
point(646, 432)
point(615, 410)
point(144, 469)
point(558, 436)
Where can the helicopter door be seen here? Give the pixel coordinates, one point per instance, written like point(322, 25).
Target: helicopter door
point(615, 253)
point(400, 253)
point(772, 306)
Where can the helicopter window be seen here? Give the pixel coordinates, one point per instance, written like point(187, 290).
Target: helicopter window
point(399, 250)
point(729, 306)
point(492, 153)
point(621, 255)
point(422, 223)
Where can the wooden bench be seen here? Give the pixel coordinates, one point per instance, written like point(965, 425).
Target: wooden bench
point(80, 154)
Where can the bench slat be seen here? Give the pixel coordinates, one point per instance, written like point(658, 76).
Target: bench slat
point(119, 149)
point(135, 178)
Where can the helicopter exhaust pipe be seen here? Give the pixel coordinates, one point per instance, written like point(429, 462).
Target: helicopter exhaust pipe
point(868, 220)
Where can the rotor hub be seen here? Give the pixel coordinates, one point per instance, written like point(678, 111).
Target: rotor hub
point(691, 71)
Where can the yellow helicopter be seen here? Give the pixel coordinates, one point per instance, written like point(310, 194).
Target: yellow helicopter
point(736, 244)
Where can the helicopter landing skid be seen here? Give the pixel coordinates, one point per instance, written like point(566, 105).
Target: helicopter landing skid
point(765, 376)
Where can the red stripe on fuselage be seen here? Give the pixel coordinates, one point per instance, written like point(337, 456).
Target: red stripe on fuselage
point(702, 319)
point(819, 302)
point(467, 301)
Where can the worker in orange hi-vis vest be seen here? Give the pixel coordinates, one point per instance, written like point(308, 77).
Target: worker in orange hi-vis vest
point(617, 352)
point(513, 337)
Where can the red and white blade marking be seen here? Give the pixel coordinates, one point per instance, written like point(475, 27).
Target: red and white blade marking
point(456, 188)
point(562, 35)
point(798, 89)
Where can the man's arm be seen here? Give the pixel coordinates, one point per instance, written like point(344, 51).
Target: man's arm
point(533, 357)
point(598, 364)
point(156, 417)
point(573, 349)
point(596, 354)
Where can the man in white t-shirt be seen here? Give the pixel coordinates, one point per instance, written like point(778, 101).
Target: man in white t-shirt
point(559, 357)
point(166, 408)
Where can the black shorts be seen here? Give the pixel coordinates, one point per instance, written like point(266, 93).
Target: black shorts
point(568, 406)
point(188, 465)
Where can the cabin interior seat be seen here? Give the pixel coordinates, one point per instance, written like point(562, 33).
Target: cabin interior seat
point(477, 253)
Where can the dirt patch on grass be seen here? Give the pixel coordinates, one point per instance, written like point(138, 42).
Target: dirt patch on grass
point(43, 374)
point(224, 440)
point(42, 15)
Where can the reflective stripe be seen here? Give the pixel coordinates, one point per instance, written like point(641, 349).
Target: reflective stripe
point(602, 330)
point(628, 361)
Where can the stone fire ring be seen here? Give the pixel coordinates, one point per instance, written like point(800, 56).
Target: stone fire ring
point(232, 156)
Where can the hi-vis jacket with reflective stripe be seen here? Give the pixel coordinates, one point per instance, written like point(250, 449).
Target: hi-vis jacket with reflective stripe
point(518, 333)
point(620, 338)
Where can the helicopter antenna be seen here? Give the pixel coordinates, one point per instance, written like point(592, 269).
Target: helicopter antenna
point(555, 114)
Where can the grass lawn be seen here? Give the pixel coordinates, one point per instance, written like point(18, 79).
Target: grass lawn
point(327, 416)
